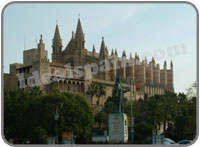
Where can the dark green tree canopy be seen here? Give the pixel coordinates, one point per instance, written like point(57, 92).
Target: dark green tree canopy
point(29, 118)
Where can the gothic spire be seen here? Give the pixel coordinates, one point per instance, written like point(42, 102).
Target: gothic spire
point(124, 54)
point(79, 31)
point(153, 60)
point(165, 65)
point(112, 53)
point(116, 52)
point(135, 55)
point(103, 50)
point(93, 50)
point(57, 38)
point(57, 42)
point(171, 65)
point(103, 44)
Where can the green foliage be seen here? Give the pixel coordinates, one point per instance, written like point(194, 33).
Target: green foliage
point(143, 131)
point(185, 122)
point(109, 105)
point(97, 89)
point(29, 118)
point(39, 136)
point(92, 90)
point(191, 91)
point(51, 87)
point(100, 91)
point(35, 91)
point(176, 111)
point(100, 117)
point(15, 104)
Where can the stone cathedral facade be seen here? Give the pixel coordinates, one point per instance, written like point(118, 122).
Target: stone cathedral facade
point(70, 62)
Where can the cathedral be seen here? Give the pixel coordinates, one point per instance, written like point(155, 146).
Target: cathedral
point(74, 67)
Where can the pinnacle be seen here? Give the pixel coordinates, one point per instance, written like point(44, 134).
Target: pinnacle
point(93, 50)
point(57, 34)
point(103, 50)
point(153, 59)
point(124, 54)
point(79, 31)
point(112, 53)
point(116, 52)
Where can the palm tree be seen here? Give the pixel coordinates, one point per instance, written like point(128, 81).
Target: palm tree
point(92, 90)
point(100, 91)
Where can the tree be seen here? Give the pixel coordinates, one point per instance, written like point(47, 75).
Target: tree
point(142, 131)
point(15, 105)
point(39, 136)
point(51, 87)
point(35, 91)
point(167, 107)
point(23, 114)
point(191, 91)
point(100, 118)
point(92, 90)
point(185, 122)
point(100, 91)
point(108, 105)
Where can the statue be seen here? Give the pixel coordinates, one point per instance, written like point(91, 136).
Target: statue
point(117, 94)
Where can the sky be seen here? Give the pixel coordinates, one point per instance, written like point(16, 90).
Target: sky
point(165, 31)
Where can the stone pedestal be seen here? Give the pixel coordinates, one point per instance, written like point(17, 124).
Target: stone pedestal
point(118, 127)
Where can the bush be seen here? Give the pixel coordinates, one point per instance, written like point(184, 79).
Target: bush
point(142, 131)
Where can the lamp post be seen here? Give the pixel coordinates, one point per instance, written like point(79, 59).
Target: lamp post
point(56, 116)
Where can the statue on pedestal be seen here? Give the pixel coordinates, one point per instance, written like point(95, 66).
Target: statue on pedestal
point(117, 120)
point(117, 94)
